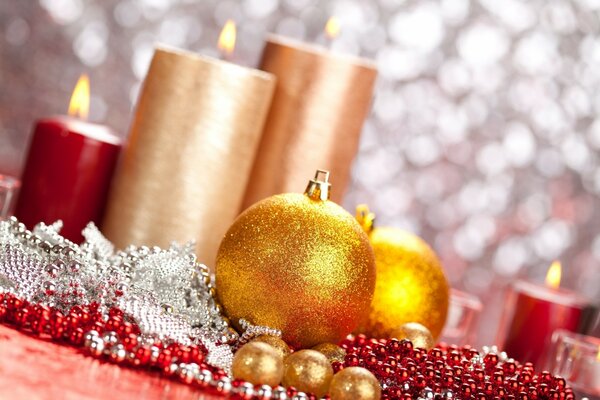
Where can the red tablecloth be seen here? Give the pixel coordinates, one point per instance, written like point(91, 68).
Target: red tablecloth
point(33, 369)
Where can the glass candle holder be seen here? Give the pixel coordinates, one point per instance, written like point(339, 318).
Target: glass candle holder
point(463, 316)
point(576, 358)
point(9, 188)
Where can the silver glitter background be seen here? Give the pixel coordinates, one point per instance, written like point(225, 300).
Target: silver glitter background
point(483, 137)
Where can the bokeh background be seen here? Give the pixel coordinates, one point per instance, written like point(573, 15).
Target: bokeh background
point(483, 136)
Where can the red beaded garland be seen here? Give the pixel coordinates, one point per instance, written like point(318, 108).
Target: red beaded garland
point(404, 371)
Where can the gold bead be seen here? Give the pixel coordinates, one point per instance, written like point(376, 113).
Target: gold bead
point(299, 265)
point(418, 334)
point(411, 285)
point(308, 371)
point(258, 363)
point(354, 383)
point(276, 342)
point(332, 351)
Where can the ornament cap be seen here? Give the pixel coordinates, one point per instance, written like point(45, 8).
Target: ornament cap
point(365, 217)
point(319, 189)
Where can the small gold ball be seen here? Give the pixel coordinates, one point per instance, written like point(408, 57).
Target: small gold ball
point(258, 363)
point(418, 334)
point(276, 342)
point(354, 383)
point(308, 371)
point(331, 351)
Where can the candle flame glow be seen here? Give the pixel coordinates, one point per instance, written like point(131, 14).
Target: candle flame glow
point(553, 275)
point(80, 100)
point(227, 38)
point(333, 27)
point(598, 355)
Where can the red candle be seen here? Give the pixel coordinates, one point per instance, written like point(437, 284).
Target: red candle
point(68, 169)
point(534, 312)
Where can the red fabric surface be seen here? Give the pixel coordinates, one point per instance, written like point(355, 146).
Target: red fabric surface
point(34, 369)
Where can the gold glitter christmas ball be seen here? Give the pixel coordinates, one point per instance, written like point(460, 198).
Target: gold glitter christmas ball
point(333, 352)
point(308, 371)
point(354, 383)
point(275, 342)
point(298, 263)
point(411, 285)
point(416, 333)
point(258, 363)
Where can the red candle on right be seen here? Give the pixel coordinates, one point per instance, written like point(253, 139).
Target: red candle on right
point(534, 312)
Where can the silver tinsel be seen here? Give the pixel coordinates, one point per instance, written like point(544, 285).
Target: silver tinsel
point(164, 291)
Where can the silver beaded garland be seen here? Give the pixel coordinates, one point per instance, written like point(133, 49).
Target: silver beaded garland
point(164, 291)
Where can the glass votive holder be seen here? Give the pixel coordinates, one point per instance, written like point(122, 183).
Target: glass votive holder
point(576, 358)
point(9, 188)
point(463, 316)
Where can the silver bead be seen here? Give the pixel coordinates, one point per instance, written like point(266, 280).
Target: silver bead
point(427, 394)
point(264, 392)
point(122, 287)
point(279, 393)
point(96, 346)
point(118, 353)
point(47, 247)
point(223, 385)
point(110, 337)
point(126, 268)
point(185, 373)
point(204, 378)
point(49, 288)
point(51, 270)
point(89, 336)
point(76, 267)
point(167, 308)
point(173, 369)
point(245, 391)
point(300, 396)
point(154, 353)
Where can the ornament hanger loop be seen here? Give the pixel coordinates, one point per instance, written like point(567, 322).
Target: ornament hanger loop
point(319, 189)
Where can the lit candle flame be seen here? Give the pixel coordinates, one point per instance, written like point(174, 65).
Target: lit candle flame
point(598, 355)
point(553, 275)
point(227, 38)
point(332, 27)
point(80, 100)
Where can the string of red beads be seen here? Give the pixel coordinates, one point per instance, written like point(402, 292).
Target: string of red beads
point(449, 372)
point(405, 372)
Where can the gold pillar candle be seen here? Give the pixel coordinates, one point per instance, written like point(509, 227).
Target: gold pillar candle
point(321, 101)
point(193, 138)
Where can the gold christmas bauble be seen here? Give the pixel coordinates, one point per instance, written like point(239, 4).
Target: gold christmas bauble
point(276, 342)
point(416, 333)
point(298, 263)
point(354, 383)
point(258, 363)
point(333, 352)
point(308, 371)
point(411, 285)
